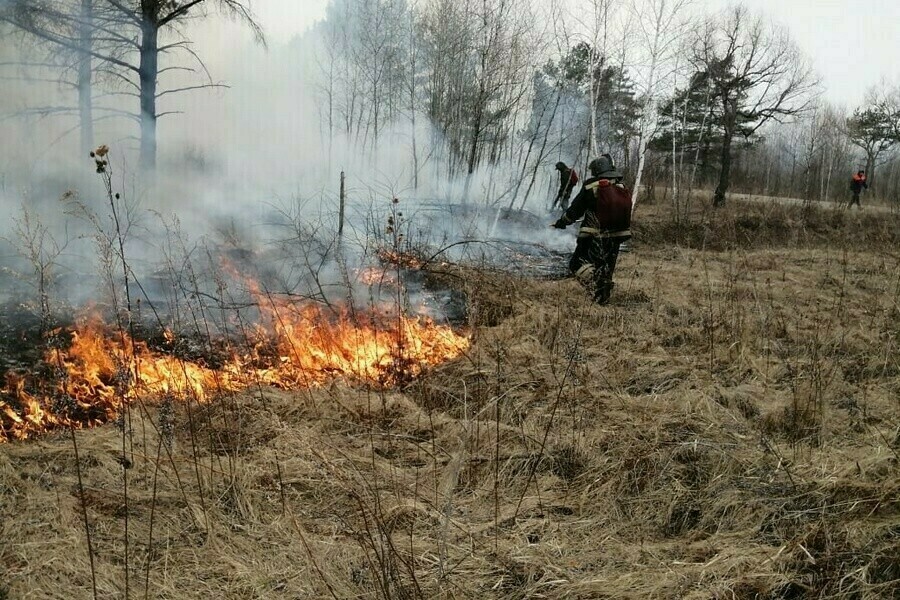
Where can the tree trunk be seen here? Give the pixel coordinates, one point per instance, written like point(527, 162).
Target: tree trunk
point(330, 112)
point(725, 172)
point(85, 101)
point(675, 200)
point(870, 171)
point(793, 176)
point(412, 99)
point(540, 157)
point(470, 162)
point(376, 105)
point(730, 121)
point(342, 197)
point(593, 108)
point(476, 137)
point(521, 177)
point(473, 147)
point(415, 152)
point(807, 187)
point(644, 134)
point(147, 73)
point(701, 143)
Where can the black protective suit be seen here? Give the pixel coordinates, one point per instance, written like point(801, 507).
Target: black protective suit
point(568, 177)
point(606, 209)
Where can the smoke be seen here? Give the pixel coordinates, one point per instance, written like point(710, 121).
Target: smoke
point(251, 167)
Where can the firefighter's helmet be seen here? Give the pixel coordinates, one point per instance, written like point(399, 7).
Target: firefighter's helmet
point(604, 168)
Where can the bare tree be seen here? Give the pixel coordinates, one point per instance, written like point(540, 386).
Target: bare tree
point(893, 103)
point(327, 61)
point(85, 103)
point(42, 250)
point(412, 87)
point(134, 35)
point(446, 40)
point(811, 142)
point(758, 75)
point(834, 148)
point(74, 20)
point(377, 50)
point(500, 72)
point(478, 61)
point(366, 54)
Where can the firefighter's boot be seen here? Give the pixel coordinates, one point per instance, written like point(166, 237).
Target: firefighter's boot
point(603, 291)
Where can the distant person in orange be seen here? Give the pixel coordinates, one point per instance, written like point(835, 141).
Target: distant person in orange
point(857, 183)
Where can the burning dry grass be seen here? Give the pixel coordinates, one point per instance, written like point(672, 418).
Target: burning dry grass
point(294, 347)
point(727, 428)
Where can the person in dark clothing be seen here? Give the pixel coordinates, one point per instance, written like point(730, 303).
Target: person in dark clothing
point(567, 180)
point(605, 204)
point(857, 183)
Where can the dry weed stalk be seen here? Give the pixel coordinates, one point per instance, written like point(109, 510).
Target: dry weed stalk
point(42, 250)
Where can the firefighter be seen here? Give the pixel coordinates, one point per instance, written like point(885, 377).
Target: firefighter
point(605, 204)
point(857, 183)
point(567, 180)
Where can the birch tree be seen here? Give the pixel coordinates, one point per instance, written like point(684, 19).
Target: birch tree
point(658, 26)
point(599, 49)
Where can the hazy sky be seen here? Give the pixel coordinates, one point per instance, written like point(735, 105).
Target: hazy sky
point(853, 43)
point(282, 19)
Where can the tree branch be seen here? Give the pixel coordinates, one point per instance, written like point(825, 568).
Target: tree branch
point(66, 43)
point(192, 87)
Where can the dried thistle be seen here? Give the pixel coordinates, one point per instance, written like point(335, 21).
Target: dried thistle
point(122, 378)
point(573, 353)
point(167, 421)
point(64, 405)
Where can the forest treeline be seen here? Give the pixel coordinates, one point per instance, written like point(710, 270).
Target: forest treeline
point(682, 100)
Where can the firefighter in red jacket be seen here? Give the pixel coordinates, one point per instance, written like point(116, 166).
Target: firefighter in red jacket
point(605, 204)
point(567, 180)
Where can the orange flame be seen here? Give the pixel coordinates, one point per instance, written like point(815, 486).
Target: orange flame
point(293, 347)
point(374, 276)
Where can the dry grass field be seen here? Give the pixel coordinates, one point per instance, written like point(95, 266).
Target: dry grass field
point(727, 428)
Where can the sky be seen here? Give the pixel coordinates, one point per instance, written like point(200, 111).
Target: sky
point(853, 43)
point(283, 19)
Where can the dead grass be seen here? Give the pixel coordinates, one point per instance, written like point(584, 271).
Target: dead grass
point(770, 223)
point(727, 428)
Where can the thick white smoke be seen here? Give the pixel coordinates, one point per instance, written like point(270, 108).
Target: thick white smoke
point(240, 163)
